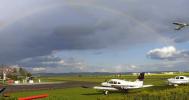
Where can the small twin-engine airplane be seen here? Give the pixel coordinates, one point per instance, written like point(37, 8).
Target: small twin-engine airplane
point(178, 80)
point(122, 85)
point(180, 25)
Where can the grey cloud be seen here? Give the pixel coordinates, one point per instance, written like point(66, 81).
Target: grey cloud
point(40, 35)
point(168, 65)
point(183, 37)
point(54, 64)
point(179, 65)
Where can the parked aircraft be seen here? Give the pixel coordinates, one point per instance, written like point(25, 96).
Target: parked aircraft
point(180, 25)
point(122, 85)
point(178, 80)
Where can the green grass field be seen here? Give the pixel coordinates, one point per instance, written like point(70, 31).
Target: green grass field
point(159, 92)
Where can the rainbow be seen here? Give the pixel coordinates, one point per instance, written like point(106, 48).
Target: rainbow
point(72, 4)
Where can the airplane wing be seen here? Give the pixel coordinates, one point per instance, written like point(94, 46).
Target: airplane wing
point(177, 23)
point(179, 27)
point(126, 87)
point(121, 87)
point(144, 86)
point(105, 88)
point(114, 88)
point(3, 89)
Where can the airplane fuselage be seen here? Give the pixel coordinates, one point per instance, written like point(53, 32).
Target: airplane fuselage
point(178, 80)
point(122, 85)
point(118, 82)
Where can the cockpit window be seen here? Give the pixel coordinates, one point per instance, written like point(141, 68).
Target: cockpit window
point(181, 77)
point(111, 82)
point(118, 83)
point(177, 77)
point(115, 82)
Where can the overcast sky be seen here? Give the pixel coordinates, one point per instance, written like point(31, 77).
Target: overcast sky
point(94, 35)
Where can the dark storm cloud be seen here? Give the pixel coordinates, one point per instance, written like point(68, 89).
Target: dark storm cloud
point(40, 35)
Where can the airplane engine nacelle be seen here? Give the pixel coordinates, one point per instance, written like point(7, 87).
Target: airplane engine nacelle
point(106, 84)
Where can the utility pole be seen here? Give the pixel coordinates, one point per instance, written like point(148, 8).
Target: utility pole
point(4, 77)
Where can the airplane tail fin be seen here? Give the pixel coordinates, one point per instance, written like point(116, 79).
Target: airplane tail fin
point(140, 79)
point(141, 76)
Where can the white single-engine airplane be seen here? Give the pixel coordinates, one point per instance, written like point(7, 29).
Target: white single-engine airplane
point(180, 25)
point(122, 85)
point(178, 80)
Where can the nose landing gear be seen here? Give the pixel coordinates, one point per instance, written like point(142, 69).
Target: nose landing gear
point(106, 92)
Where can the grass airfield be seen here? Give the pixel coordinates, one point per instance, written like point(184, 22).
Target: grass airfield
point(160, 90)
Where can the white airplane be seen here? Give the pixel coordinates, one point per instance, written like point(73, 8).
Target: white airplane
point(122, 85)
point(180, 25)
point(178, 80)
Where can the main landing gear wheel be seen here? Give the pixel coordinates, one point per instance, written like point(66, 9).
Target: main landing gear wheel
point(105, 92)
